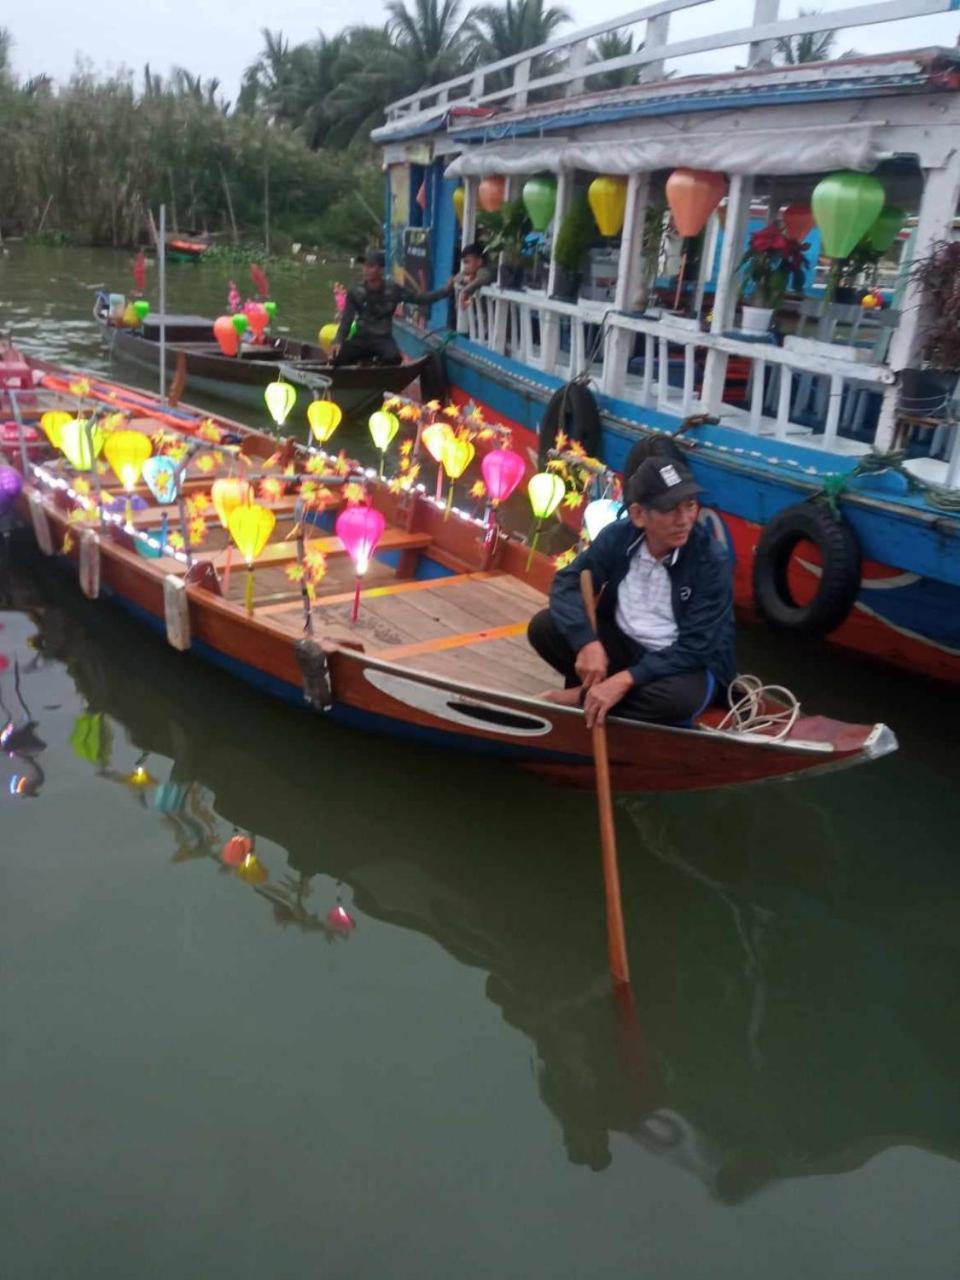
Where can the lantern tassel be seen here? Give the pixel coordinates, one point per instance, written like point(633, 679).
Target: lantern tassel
point(533, 545)
point(381, 463)
point(356, 602)
point(226, 568)
point(439, 483)
point(248, 593)
point(449, 506)
point(128, 511)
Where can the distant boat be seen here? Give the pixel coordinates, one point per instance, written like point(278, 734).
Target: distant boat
point(182, 249)
point(242, 378)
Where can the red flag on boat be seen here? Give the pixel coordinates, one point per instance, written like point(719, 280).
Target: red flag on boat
point(260, 280)
point(140, 271)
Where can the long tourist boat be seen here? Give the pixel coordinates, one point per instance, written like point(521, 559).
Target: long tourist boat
point(415, 626)
point(855, 158)
point(241, 379)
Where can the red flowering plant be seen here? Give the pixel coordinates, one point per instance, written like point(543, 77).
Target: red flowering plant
point(772, 264)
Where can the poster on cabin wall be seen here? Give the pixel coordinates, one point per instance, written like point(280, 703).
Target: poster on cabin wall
point(416, 267)
point(399, 217)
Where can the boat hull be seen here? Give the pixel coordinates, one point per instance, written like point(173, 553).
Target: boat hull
point(908, 609)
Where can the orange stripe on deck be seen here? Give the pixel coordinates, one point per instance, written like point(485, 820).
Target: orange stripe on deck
point(460, 641)
point(388, 589)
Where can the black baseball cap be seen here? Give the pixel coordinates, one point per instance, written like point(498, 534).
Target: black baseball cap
point(375, 258)
point(661, 483)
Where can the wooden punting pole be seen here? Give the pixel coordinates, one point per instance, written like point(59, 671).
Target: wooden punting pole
point(616, 933)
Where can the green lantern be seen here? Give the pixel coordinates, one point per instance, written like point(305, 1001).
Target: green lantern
point(886, 228)
point(845, 207)
point(142, 308)
point(540, 201)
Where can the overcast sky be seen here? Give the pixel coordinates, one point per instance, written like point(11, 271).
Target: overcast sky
point(220, 37)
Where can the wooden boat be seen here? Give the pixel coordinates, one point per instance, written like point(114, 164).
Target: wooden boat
point(438, 652)
point(183, 249)
point(242, 378)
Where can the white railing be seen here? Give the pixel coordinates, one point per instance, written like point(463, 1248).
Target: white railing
point(569, 68)
point(673, 366)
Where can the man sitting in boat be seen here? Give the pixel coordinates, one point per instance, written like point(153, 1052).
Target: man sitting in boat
point(372, 304)
point(664, 640)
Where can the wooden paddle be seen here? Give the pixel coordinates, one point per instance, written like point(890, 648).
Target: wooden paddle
point(616, 934)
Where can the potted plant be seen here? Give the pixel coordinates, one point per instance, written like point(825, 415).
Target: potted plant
point(575, 234)
point(772, 263)
point(939, 276)
point(507, 230)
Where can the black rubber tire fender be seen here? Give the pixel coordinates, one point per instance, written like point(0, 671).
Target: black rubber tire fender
point(574, 411)
point(840, 569)
point(433, 378)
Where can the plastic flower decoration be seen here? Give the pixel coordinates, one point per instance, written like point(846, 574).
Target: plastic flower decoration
point(772, 264)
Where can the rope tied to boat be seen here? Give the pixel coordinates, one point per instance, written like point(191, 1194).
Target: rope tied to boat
point(937, 496)
point(751, 712)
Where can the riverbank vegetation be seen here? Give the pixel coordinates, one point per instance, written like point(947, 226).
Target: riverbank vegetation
point(289, 161)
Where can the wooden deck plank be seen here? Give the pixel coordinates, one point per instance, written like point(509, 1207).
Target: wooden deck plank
point(395, 587)
point(485, 667)
point(460, 640)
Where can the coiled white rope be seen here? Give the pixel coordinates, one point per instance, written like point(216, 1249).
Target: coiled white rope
point(749, 712)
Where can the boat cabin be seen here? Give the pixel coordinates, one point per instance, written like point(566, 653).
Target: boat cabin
point(615, 263)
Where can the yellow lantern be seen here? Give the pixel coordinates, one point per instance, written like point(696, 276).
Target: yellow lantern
point(127, 451)
point(227, 493)
point(608, 204)
point(327, 335)
point(458, 197)
point(457, 455)
point(545, 492)
point(324, 417)
point(252, 870)
point(81, 442)
point(250, 527)
point(280, 398)
point(383, 427)
point(53, 422)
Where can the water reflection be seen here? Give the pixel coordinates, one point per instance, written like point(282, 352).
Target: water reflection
point(795, 982)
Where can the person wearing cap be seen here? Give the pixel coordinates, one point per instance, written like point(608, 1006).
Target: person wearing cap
point(372, 305)
point(663, 649)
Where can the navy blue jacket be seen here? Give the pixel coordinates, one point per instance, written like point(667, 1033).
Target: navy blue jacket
point(702, 582)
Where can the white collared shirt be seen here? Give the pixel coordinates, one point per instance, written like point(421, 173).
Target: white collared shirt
point(645, 601)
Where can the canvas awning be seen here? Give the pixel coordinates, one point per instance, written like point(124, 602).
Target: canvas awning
point(812, 149)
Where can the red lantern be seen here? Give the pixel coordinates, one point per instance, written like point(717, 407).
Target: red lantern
point(226, 335)
point(693, 194)
point(236, 849)
point(797, 221)
point(257, 318)
point(422, 195)
point(491, 193)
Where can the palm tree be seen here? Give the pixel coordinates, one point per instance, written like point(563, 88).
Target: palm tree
point(500, 31)
point(815, 46)
point(431, 38)
point(316, 73)
point(614, 44)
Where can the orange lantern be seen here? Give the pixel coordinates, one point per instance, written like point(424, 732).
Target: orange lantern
point(491, 193)
point(693, 194)
point(226, 335)
point(797, 221)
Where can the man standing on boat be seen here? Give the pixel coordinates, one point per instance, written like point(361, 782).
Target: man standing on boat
point(664, 641)
point(372, 304)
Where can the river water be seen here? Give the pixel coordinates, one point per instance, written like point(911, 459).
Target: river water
point(202, 1077)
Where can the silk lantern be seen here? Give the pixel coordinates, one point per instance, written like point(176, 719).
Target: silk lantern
point(226, 335)
point(327, 335)
point(502, 471)
point(692, 195)
point(598, 514)
point(885, 229)
point(11, 482)
point(236, 849)
point(53, 422)
point(228, 493)
point(81, 442)
point(359, 528)
point(142, 308)
point(540, 201)
point(383, 427)
point(491, 194)
point(458, 196)
point(250, 527)
point(434, 437)
point(545, 492)
point(324, 417)
point(240, 323)
point(271, 309)
point(608, 203)
point(845, 207)
point(280, 398)
point(127, 451)
point(252, 871)
point(797, 221)
point(457, 455)
point(162, 478)
point(258, 319)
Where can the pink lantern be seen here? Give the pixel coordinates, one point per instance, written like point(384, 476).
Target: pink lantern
point(422, 195)
point(502, 472)
point(11, 482)
point(257, 319)
point(359, 529)
point(340, 920)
